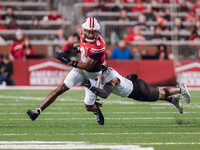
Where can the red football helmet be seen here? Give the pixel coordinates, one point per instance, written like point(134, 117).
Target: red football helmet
point(90, 29)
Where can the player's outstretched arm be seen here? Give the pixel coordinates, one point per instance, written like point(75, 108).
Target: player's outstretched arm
point(103, 93)
point(87, 65)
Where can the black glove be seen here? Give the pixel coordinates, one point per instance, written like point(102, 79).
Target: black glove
point(87, 83)
point(76, 47)
point(62, 57)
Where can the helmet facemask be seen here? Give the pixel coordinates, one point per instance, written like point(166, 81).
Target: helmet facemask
point(90, 35)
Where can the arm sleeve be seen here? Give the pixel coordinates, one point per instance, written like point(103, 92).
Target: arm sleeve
point(105, 92)
point(95, 57)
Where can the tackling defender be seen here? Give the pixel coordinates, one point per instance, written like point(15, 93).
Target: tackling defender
point(138, 89)
point(92, 48)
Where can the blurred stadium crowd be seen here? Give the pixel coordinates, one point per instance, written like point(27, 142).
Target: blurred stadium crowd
point(132, 29)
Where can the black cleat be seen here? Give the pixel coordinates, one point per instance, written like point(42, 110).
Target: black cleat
point(99, 117)
point(33, 114)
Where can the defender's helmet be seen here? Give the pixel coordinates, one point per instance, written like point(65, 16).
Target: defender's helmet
point(90, 29)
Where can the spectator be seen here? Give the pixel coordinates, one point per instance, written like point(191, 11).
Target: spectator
point(119, 6)
point(194, 37)
point(142, 23)
point(161, 52)
point(183, 7)
point(121, 52)
point(6, 70)
point(179, 25)
point(178, 28)
point(10, 18)
point(196, 7)
point(149, 15)
point(60, 35)
point(155, 7)
point(167, 15)
point(54, 16)
point(123, 15)
point(157, 35)
point(196, 27)
point(134, 35)
point(101, 6)
point(139, 7)
point(35, 24)
point(68, 48)
point(16, 48)
point(27, 47)
point(191, 16)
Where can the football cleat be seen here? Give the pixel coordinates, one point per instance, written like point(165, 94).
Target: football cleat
point(176, 102)
point(33, 114)
point(185, 93)
point(99, 117)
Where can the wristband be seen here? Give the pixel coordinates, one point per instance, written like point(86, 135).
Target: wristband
point(74, 64)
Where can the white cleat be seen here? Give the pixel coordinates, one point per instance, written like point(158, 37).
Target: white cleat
point(185, 93)
point(176, 102)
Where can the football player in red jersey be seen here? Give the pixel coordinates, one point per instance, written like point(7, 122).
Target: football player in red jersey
point(92, 48)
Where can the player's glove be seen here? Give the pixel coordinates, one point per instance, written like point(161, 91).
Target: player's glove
point(34, 114)
point(62, 57)
point(76, 47)
point(86, 83)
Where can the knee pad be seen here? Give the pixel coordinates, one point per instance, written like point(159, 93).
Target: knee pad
point(167, 93)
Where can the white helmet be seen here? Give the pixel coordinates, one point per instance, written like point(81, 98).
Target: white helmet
point(91, 29)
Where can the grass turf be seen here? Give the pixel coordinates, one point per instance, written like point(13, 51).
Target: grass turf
point(126, 121)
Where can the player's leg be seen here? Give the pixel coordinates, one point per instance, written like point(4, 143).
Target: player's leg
point(71, 79)
point(180, 89)
point(47, 101)
point(171, 94)
point(150, 93)
point(90, 97)
point(185, 93)
point(91, 105)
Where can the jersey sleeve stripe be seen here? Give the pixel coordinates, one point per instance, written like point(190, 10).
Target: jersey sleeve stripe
point(98, 49)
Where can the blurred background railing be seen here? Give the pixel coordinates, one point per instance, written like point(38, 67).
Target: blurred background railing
point(144, 25)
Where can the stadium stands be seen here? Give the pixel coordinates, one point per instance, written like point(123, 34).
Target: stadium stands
point(108, 13)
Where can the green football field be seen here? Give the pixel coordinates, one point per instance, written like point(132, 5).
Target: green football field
point(129, 125)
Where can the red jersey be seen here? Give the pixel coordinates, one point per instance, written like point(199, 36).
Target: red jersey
point(97, 48)
point(53, 18)
point(16, 50)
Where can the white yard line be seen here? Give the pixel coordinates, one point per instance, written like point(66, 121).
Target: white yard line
point(123, 133)
point(80, 113)
point(66, 145)
point(69, 99)
point(11, 134)
point(146, 133)
point(145, 118)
